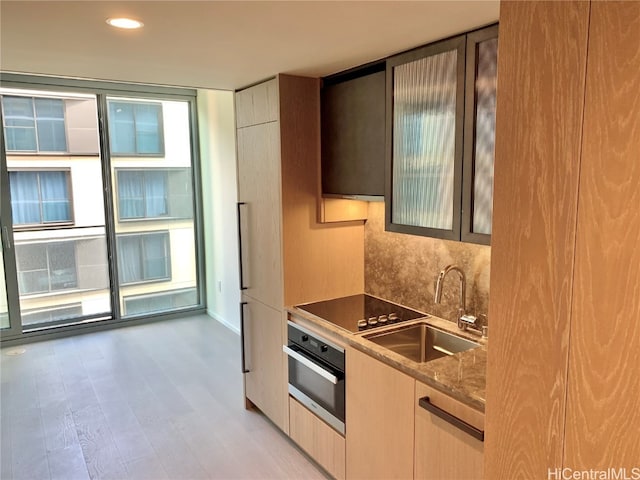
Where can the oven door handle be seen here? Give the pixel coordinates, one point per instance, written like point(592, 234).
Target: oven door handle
point(310, 364)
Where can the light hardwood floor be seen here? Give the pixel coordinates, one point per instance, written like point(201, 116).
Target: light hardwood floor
point(158, 401)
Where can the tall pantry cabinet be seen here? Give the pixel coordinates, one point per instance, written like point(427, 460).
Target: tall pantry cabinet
point(562, 384)
point(286, 256)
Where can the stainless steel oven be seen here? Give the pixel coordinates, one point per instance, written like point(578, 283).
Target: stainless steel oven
point(316, 374)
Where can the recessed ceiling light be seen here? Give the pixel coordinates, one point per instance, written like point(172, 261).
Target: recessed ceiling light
point(128, 23)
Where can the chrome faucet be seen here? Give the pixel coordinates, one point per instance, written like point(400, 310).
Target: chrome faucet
point(465, 322)
point(463, 284)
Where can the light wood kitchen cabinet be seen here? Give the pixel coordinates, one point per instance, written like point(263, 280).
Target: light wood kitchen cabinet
point(257, 104)
point(565, 263)
point(444, 451)
point(533, 240)
point(278, 182)
point(286, 256)
point(260, 213)
point(603, 402)
point(264, 374)
point(379, 419)
point(320, 441)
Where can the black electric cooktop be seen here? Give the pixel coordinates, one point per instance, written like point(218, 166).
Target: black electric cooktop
point(360, 312)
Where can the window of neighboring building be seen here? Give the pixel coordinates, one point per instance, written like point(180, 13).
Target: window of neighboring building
point(144, 257)
point(40, 197)
point(135, 128)
point(34, 124)
point(154, 193)
point(158, 302)
point(52, 314)
point(142, 193)
point(46, 267)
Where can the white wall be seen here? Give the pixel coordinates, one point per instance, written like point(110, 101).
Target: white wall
point(216, 124)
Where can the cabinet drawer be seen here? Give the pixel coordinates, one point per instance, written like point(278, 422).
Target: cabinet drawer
point(458, 409)
point(321, 442)
point(442, 450)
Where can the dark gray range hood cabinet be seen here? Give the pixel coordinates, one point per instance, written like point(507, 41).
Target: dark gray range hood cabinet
point(353, 133)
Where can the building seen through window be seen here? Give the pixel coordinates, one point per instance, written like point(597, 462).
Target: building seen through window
point(56, 167)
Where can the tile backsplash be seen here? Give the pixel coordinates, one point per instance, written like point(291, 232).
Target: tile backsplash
point(404, 268)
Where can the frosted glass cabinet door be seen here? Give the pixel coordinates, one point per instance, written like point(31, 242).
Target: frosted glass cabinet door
point(480, 134)
point(425, 95)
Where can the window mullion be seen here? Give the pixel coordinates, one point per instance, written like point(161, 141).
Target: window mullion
point(144, 193)
point(66, 130)
point(143, 253)
point(35, 124)
point(135, 131)
point(40, 199)
point(167, 255)
point(46, 250)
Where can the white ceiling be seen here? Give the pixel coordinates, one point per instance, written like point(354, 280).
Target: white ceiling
point(221, 44)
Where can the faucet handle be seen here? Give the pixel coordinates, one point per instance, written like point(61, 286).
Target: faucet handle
point(484, 319)
point(485, 331)
point(465, 321)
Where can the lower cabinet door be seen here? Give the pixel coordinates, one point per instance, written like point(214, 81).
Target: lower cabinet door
point(444, 451)
point(379, 419)
point(265, 383)
point(319, 440)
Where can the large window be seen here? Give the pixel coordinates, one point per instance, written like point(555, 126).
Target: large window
point(97, 203)
point(34, 124)
point(144, 257)
point(153, 202)
point(46, 267)
point(135, 128)
point(40, 197)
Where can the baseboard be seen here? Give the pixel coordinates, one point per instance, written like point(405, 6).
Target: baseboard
point(218, 318)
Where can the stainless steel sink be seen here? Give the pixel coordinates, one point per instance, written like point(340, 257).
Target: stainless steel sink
point(421, 343)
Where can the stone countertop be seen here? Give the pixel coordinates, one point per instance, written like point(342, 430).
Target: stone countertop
point(461, 376)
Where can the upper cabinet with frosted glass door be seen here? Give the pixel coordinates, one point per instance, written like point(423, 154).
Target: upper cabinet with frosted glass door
point(440, 137)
